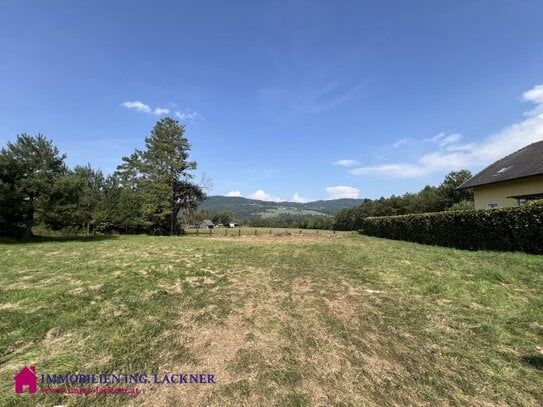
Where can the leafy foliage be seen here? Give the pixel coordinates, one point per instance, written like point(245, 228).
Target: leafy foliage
point(508, 229)
point(147, 195)
point(448, 188)
point(287, 221)
point(74, 199)
point(223, 218)
point(429, 199)
point(463, 205)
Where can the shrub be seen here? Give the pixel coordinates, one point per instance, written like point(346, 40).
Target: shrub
point(506, 229)
point(11, 230)
point(462, 206)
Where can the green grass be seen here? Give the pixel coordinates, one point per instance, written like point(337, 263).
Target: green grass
point(255, 231)
point(280, 319)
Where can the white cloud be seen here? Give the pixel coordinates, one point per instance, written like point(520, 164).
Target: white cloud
point(143, 108)
point(233, 193)
point(534, 95)
point(188, 115)
point(347, 163)
point(397, 170)
point(401, 142)
point(264, 196)
point(443, 139)
point(138, 106)
point(298, 198)
point(451, 155)
point(160, 111)
point(342, 191)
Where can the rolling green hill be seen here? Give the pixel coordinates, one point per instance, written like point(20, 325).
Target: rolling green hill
point(244, 208)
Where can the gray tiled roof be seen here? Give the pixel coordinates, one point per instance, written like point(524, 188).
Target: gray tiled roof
point(526, 162)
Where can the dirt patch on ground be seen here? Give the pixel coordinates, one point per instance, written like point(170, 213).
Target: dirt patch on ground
point(219, 346)
point(9, 305)
point(288, 236)
point(278, 237)
point(261, 351)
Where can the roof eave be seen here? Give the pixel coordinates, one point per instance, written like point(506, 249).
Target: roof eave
point(461, 186)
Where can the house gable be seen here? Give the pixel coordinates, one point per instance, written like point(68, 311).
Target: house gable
point(524, 163)
point(508, 193)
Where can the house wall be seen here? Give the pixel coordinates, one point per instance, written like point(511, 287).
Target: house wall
point(498, 193)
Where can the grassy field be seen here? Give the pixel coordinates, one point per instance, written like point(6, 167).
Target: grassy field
point(255, 231)
point(284, 319)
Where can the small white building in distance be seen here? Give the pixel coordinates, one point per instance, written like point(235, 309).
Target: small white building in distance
point(206, 224)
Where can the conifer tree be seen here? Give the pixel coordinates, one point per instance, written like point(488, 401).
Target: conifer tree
point(162, 173)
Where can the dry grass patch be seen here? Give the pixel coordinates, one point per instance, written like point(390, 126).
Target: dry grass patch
point(288, 319)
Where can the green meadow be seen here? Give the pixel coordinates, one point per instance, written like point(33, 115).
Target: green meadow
point(279, 319)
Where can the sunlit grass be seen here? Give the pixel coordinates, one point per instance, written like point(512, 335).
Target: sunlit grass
point(280, 319)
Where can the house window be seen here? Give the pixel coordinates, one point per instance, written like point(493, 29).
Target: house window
point(522, 201)
point(501, 171)
point(492, 205)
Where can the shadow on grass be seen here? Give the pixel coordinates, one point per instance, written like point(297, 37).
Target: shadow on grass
point(60, 239)
point(534, 361)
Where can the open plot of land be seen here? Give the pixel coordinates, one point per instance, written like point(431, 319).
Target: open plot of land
point(256, 231)
point(279, 320)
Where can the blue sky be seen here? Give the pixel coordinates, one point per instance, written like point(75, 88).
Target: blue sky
point(281, 100)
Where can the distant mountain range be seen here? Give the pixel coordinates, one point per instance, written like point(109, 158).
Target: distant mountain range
point(244, 208)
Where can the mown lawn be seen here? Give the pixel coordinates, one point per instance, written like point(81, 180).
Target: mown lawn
point(279, 320)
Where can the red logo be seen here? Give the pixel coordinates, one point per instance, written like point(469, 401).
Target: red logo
point(26, 377)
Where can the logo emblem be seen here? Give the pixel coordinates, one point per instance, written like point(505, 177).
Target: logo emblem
point(26, 378)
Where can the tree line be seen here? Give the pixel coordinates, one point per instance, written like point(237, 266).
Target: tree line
point(444, 197)
point(152, 191)
point(293, 221)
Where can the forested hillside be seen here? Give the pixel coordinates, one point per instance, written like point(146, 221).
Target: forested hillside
point(244, 208)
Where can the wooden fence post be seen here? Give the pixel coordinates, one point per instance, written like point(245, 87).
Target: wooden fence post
point(255, 231)
point(239, 232)
point(197, 231)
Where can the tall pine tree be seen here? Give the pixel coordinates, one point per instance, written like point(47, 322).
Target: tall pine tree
point(28, 170)
point(162, 174)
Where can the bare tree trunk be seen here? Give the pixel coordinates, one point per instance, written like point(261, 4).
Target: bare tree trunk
point(27, 234)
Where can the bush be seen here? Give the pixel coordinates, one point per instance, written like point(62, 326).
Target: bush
point(462, 206)
point(506, 229)
point(11, 230)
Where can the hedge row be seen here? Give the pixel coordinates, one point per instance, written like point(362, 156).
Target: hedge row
point(506, 229)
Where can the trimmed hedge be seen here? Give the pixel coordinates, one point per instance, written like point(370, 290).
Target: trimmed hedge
point(506, 229)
